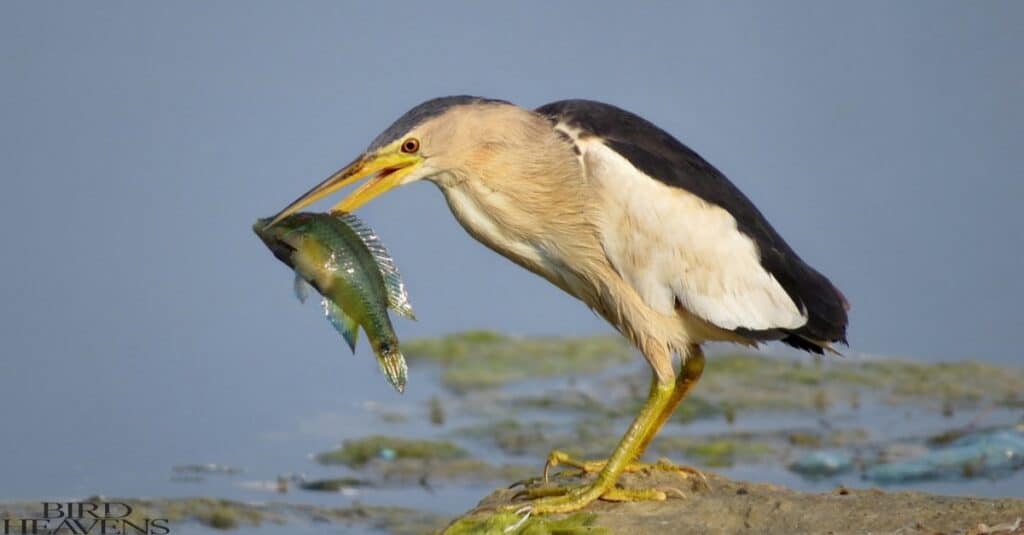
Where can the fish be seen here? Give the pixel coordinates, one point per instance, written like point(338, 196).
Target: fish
point(344, 260)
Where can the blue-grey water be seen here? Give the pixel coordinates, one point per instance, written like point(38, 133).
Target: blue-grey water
point(136, 460)
point(143, 326)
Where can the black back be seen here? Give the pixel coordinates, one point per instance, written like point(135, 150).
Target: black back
point(663, 157)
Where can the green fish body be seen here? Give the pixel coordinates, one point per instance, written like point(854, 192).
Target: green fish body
point(344, 260)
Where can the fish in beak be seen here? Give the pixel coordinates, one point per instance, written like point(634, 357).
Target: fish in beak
point(344, 260)
point(386, 169)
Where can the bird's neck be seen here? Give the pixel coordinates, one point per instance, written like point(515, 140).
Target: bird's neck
point(528, 202)
point(519, 190)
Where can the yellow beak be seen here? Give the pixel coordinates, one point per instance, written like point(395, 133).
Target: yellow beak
point(388, 168)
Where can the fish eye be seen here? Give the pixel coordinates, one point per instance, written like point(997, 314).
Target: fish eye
point(410, 145)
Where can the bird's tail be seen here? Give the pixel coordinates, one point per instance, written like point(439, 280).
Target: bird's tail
point(806, 343)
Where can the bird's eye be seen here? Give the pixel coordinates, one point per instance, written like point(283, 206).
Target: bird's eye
point(411, 145)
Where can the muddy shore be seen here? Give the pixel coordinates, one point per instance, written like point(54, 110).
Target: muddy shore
point(487, 408)
point(730, 506)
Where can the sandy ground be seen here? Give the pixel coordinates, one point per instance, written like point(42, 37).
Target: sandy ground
point(740, 507)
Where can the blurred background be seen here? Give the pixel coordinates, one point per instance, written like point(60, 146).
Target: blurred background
point(144, 325)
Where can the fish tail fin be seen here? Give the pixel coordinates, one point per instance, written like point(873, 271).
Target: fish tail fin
point(343, 323)
point(392, 365)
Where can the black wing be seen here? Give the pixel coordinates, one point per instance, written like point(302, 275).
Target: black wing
point(659, 155)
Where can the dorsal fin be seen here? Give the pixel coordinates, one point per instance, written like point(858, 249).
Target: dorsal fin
point(398, 298)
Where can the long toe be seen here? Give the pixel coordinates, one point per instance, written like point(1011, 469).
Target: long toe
point(665, 465)
point(547, 499)
point(557, 457)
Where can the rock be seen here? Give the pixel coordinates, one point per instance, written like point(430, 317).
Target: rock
point(338, 484)
point(741, 507)
point(989, 454)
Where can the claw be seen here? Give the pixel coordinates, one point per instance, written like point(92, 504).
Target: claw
point(672, 490)
point(703, 480)
point(556, 458)
point(525, 511)
point(685, 471)
point(528, 482)
point(551, 498)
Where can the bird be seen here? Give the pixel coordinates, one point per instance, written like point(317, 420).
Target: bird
point(618, 213)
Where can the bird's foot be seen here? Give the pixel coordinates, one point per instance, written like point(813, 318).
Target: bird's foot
point(558, 457)
point(580, 492)
point(548, 499)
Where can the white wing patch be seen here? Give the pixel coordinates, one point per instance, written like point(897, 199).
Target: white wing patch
point(670, 245)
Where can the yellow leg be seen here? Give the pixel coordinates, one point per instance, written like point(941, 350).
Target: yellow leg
point(661, 402)
point(688, 376)
point(625, 453)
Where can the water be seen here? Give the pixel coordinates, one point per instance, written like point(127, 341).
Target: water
point(118, 460)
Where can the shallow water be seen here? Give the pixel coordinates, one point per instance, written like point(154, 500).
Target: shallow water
point(282, 443)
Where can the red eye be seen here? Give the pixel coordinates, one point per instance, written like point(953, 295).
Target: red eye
point(411, 145)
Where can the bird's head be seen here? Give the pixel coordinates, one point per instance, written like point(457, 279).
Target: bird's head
point(428, 142)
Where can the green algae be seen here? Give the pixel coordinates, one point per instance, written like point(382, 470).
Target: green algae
point(405, 460)
point(436, 414)
point(697, 407)
point(333, 484)
point(588, 437)
point(214, 513)
point(357, 453)
point(464, 470)
point(833, 438)
point(731, 384)
point(959, 382)
point(223, 514)
point(393, 417)
point(403, 521)
point(736, 383)
point(219, 514)
point(716, 451)
point(220, 518)
point(752, 382)
point(498, 523)
point(513, 437)
point(477, 360)
point(482, 359)
point(565, 400)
